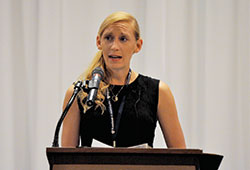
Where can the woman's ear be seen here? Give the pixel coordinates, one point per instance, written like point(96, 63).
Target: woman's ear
point(138, 45)
point(98, 43)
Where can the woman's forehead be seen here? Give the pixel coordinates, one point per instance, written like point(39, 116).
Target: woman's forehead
point(121, 26)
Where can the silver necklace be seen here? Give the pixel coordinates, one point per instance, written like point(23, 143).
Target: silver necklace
point(115, 97)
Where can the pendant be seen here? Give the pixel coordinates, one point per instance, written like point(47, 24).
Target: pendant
point(115, 98)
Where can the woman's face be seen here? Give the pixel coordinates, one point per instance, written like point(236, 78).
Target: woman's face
point(118, 44)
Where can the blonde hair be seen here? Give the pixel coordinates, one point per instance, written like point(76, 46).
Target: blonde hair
point(98, 60)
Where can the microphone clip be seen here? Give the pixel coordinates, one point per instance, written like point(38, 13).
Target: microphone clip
point(82, 85)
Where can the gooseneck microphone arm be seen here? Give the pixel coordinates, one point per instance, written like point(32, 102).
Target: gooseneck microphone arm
point(90, 87)
point(78, 86)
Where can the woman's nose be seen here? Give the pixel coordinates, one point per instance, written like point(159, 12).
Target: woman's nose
point(115, 45)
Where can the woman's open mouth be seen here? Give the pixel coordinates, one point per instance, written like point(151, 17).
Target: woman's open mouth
point(115, 57)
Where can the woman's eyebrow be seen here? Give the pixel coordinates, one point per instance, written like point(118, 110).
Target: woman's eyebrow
point(124, 33)
point(108, 34)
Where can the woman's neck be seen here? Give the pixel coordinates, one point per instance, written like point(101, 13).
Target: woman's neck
point(120, 77)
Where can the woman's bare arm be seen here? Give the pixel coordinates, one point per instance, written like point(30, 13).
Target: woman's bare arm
point(71, 123)
point(168, 118)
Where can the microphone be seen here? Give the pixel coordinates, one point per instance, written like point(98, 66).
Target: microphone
point(94, 83)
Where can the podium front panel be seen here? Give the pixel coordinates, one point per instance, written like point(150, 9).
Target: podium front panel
point(131, 159)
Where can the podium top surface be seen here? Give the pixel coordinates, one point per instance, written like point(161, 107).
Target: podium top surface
point(122, 150)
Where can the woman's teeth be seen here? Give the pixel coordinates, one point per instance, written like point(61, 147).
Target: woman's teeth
point(115, 56)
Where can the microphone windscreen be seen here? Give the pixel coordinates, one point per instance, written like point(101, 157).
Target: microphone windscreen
point(98, 70)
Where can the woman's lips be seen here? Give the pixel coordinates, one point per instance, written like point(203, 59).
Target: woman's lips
point(115, 57)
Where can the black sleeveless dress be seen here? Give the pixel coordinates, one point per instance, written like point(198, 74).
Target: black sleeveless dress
point(138, 119)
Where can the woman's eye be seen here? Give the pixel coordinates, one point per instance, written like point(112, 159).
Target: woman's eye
point(108, 38)
point(123, 38)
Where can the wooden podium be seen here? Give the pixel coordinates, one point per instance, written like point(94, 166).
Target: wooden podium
point(130, 159)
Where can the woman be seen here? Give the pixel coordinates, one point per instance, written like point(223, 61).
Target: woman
point(128, 104)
